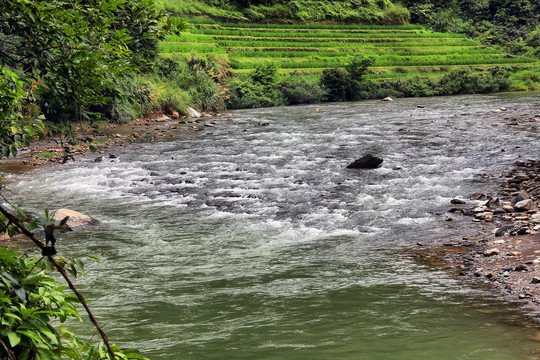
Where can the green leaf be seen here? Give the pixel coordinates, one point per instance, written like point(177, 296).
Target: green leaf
point(5, 150)
point(20, 211)
point(14, 339)
point(13, 150)
point(33, 335)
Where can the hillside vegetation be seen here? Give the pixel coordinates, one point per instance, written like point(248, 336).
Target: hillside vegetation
point(398, 51)
point(383, 12)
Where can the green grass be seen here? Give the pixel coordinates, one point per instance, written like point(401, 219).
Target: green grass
point(399, 51)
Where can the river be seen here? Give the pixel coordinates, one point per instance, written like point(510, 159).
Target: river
point(252, 240)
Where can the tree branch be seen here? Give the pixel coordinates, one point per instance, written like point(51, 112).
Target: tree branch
point(61, 270)
point(9, 353)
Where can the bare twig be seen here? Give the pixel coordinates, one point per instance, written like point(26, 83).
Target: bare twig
point(61, 270)
point(8, 352)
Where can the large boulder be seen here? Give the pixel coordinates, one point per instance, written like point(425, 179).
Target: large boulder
point(367, 161)
point(76, 221)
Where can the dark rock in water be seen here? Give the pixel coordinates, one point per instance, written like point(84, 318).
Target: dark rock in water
point(367, 161)
point(457, 201)
point(98, 159)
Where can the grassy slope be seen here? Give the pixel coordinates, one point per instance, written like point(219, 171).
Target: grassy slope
point(400, 51)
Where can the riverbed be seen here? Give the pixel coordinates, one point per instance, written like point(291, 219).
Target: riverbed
point(252, 240)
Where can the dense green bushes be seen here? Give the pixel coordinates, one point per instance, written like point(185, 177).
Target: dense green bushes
point(382, 12)
point(347, 84)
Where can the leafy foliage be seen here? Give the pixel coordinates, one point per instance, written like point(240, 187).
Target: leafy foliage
point(343, 84)
point(258, 89)
point(16, 128)
point(299, 90)
point(78, 69)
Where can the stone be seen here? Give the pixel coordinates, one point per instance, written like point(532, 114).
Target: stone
point(192, 113)
point(492, 252)
point(500, 231)
point(163, 118)
point(76, 221)
point(98, 159)
point(420, 106)
point(521, 267)
point(387, 99)
point(367, 161)
point(522, 195)
point(535, 280)
point(535, 218)
point(524, 205)
point(493, 202)
point(508, 208)
point(457, 201)
point(480, 209)
point(175, 115)
point(477, 196)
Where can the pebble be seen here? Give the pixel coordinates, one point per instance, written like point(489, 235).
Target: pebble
point(492, 252)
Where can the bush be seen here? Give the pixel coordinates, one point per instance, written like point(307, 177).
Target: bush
point(258, 89)
point(345, 84)
point(395, 15)
point(337, 84)
point(465, 82)
point(298, 90)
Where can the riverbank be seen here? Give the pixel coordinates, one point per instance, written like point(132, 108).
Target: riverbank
point(106, 140)
point(506, 257)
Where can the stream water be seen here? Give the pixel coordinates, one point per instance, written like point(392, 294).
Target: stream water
point(247, 241)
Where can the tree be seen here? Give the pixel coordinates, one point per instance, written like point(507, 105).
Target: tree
point(76, 49)
point(343, 84)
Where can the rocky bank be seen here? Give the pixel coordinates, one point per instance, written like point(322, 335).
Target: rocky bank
point(507, 257)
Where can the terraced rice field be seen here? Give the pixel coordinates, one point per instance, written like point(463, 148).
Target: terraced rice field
point(399, 51)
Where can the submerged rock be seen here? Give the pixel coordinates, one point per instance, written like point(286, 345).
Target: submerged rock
point(76, 221)
point(367, 161)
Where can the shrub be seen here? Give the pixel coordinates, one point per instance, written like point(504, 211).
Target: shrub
point(395, 15)
point(298, 90)
point(258, 89)
point(344, 84)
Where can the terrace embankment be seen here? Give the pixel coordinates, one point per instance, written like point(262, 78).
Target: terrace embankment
point(507, 257)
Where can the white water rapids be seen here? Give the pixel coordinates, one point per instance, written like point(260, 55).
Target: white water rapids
point(255, 242)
